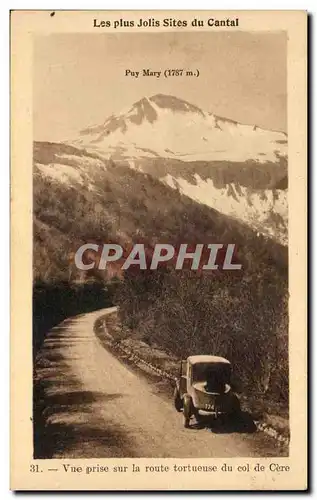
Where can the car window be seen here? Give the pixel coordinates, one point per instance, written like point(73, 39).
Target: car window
point(204, 371)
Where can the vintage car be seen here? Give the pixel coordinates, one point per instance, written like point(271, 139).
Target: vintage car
point(203, 387)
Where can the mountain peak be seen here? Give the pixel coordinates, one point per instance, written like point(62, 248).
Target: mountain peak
point(146, 109)
point(167, 126)
point(174, 103)
point(140, 110)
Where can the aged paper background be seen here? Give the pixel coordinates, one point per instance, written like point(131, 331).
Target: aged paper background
point(24, 25)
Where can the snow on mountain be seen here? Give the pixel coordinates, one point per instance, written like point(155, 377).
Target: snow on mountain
point(67, 165)
point(239, 170)
point(266, 210)
point(63, 173)
point(169, 127)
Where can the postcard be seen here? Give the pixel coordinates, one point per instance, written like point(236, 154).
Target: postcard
point(158, 258)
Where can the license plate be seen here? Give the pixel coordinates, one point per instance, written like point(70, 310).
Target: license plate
point(209, 407)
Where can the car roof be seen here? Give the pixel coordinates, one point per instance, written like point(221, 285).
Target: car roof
point(206, 358)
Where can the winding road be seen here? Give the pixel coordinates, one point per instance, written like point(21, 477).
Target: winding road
point(94, 405)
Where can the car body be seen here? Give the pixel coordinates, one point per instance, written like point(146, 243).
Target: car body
point(203, 387)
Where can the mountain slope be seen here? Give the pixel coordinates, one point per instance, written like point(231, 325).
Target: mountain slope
point(80, 197)
point(241, 170)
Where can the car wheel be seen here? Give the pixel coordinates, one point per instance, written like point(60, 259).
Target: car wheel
point(196, 414)
point(188, 406)
point(177, 400)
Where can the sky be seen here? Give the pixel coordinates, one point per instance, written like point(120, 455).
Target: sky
point(79, 79)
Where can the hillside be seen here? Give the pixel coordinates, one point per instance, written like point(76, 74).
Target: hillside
point(80, 197)
point(240, 170)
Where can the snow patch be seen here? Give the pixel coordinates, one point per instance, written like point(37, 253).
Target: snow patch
point(255, 208)
point(60, 172)
point(82, 161)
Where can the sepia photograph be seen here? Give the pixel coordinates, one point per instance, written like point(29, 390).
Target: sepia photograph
point(160, 249)
point(164, 361)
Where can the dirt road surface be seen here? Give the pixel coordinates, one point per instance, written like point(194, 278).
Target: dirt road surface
point(92, 405)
